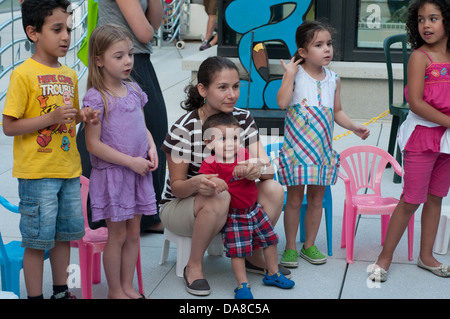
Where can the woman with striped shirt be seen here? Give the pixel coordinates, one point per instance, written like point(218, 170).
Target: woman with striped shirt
point(191, 205)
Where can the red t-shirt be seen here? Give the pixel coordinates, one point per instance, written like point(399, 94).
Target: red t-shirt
point(243, 191)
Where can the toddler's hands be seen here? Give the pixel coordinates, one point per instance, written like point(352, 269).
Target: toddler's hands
point(362, 131)
point(240, 170)
point(140, 165)
point(253, 169)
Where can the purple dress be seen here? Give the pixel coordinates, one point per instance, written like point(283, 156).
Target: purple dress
point(116, 192)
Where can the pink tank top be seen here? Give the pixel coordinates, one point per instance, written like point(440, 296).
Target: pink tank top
point(436, 92)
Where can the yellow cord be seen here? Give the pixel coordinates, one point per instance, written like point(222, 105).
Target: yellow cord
point(372, 120)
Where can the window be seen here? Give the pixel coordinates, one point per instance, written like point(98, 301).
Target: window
point(361, 25)
point(379, 19)
point(366, 25)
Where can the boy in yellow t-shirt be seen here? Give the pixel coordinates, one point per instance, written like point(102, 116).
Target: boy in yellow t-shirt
point(41, 111)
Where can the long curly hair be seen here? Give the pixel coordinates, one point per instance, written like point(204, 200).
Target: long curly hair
point(412, 25)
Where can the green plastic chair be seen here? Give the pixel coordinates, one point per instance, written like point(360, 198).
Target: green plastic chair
point(400, 110)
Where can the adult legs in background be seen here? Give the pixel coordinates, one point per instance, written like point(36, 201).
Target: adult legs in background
point(156, 118)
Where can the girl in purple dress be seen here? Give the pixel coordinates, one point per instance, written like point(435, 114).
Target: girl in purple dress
point(123, 155)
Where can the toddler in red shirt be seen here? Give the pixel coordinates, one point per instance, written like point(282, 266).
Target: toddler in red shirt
point(248, 227)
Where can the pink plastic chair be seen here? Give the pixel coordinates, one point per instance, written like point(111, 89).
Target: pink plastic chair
point(362, 168)
point(90, 248)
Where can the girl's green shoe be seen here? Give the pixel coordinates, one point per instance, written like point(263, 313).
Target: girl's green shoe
point(313, 255)
point(289, 258)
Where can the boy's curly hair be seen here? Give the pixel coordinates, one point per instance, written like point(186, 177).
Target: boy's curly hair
point(34, 12)
point(412, 27)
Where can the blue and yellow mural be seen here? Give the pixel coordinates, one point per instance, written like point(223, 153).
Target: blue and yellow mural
point(252, 19)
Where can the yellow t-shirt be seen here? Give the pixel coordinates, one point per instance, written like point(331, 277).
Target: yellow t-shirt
point(34, 90)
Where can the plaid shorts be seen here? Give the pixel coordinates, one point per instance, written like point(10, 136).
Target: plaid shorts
point(247, 230)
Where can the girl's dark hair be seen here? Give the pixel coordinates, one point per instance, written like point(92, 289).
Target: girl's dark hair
point(34, 12)
point(412, 24)
point(305, 34)
point(205, 75)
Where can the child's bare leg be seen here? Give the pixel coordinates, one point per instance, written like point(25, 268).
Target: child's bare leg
point(130, 253)
point(271, 256)
point(59, 260)
point(112, 258)
point(238, 265)
point(313, 214)
point(431, 213)
point(294, 202)
point(397, 225)
point(33, 270)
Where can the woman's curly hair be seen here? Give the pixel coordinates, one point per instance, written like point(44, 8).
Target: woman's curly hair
point(412, 26)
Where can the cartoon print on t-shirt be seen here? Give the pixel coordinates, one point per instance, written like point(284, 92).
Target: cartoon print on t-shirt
point(45, 135)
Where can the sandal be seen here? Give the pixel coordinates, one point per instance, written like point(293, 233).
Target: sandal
point(441, 271)
point(243, 292)
point(278, 280)
point(289, 258)
point(378, 274)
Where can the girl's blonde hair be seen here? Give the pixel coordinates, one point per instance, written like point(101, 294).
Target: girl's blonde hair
point(102, 37)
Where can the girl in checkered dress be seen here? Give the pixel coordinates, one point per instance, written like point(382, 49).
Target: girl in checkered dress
point(310, 93)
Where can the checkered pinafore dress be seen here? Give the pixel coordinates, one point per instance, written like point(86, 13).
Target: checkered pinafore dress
point(307, 156)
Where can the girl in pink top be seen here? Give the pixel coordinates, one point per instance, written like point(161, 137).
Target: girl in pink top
point(424, 136)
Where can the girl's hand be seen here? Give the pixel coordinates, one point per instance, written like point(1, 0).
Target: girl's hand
point(89, 115)
point(362, 131)
point(292, 67)
point(153, 157)
point(140, 165)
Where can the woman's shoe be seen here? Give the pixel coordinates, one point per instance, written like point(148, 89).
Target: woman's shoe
point(279, 280)
point(199, 287)
point(243, 292)
point(378, 274)
point(289, 258)
point(261, 271)
point(441, 271)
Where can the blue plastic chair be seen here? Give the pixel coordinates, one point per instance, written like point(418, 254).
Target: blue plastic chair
point(272, 151)
point(11, 257)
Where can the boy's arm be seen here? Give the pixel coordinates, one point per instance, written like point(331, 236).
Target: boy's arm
point(20, 126)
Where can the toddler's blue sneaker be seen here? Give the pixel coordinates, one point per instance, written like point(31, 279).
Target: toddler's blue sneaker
point(279, 280)
point(243, 292)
